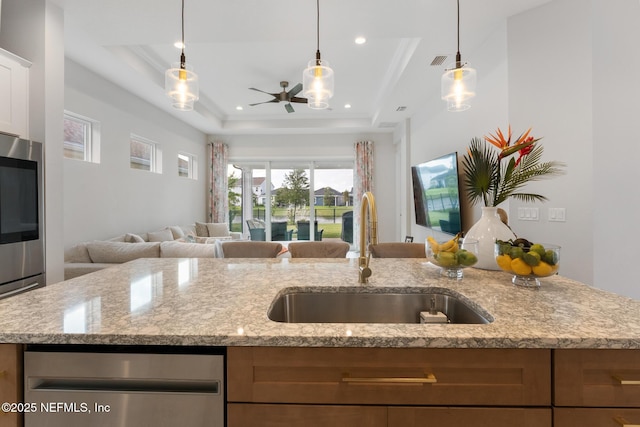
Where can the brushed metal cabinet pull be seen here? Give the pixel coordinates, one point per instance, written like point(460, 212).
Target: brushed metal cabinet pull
point(624, 423)
point(427, 379)
point(622, 381)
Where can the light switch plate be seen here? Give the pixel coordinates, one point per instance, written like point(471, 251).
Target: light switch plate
point(557, 214)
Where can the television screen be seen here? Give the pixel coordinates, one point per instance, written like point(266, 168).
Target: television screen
point(436, 194)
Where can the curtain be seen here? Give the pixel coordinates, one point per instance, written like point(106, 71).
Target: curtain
point(218, 203)
point(363, 182)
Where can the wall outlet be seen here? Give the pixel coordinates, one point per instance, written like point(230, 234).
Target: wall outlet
point(557, 214)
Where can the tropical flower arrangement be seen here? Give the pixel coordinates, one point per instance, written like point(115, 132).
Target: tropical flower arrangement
point(495, 175)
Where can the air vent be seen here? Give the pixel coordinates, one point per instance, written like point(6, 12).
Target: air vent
point(401, 108)
point(438, 60)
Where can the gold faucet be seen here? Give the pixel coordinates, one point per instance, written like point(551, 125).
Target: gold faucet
point(368, 206)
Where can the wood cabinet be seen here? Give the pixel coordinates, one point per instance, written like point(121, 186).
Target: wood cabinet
point(10, 382)
point(14, 94)
point(472, 384)
point(596, 388)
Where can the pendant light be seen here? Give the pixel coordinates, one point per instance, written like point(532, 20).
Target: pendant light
point(459, 81)
point(180, 82)
point(317, 78)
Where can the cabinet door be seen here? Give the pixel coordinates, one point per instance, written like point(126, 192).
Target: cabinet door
point(598, 378)
point(257, 415)
point(466, 417)
point(601, 417)
point(14, 95)
point(478, 377)
point(10, 382)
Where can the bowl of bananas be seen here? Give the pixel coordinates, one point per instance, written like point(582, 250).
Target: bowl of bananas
point(527, 261)
point(453, 255)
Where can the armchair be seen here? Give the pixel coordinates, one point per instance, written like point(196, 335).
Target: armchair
point(279, 230)
point(303, 231)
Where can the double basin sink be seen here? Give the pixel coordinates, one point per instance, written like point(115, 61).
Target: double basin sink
point(357, 305)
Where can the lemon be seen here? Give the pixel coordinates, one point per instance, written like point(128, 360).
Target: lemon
point(504, 262)
point(543, 269)
point(520, 267)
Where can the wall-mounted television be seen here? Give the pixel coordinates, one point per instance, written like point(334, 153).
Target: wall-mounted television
point(436, 194)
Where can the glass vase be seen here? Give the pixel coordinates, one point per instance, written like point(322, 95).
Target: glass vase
point(488, 228)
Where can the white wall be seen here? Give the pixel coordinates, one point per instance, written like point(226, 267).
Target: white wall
point(324, 147)
point(550, 88)
point(107, 199)
point(435, 131)
point(616, 149)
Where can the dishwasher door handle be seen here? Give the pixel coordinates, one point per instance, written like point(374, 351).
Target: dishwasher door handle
point(124, 385)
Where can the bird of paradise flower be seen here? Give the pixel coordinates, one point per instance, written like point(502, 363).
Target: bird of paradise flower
point(493, 176)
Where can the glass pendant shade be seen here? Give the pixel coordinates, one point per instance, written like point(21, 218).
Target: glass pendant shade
point(458, 87)
point(181, 85)
point(317, 83)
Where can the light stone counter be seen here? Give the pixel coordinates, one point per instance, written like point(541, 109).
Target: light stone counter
point(224, 302)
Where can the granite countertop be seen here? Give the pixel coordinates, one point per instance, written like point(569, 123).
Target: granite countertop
point(224, 302)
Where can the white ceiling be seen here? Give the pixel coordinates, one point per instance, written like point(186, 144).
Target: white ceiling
point(236, 44)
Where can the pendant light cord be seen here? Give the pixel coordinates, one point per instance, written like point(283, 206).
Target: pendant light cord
point(318, 61)
point(458, 56)
point(182, 57)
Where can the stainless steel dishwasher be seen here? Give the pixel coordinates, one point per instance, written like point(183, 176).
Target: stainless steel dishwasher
point(105, 386)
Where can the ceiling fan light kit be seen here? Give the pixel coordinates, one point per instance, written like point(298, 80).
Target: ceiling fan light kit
point(458, 83)
point(318, 78)
point(180, 82)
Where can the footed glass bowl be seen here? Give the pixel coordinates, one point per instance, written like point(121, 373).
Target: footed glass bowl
point(527, 264)
point(452, 259)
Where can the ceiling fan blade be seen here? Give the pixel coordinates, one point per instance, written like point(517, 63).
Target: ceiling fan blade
point(300, 100)
point(275, 95)
point(265, 102)
point(289, 108)
point(294, 90)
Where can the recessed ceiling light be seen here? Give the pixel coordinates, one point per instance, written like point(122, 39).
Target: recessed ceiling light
point(361, 40)
point(239, 108)
point(178, 44)
point(347, 105)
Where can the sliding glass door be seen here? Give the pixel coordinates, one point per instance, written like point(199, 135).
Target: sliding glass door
point(297, 200)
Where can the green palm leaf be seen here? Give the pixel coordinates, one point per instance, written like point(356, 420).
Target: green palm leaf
point(488, 180)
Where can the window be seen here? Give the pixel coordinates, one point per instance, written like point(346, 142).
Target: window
point(187, 166)
point(81, 138)
point(145, 154)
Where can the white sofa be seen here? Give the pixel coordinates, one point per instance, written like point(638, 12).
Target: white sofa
point(170, 242)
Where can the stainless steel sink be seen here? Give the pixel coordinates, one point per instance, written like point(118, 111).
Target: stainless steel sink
point(373, 306)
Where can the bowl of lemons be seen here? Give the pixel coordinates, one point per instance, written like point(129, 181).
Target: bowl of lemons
point(453, 255)
point(527, 261)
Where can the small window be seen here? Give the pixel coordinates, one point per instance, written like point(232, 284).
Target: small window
point(81, 138)
point(145, 155)
point(187, 166)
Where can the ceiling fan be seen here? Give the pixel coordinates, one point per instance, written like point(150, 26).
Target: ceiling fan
point(284, 96)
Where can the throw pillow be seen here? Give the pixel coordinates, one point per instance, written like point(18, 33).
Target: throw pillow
point(218, 229)
point(201, 229)
point(160, 236)
point(176, 231)
point(133, 238)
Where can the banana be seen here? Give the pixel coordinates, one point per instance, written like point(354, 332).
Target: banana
point(435, 247)
point(451, 245)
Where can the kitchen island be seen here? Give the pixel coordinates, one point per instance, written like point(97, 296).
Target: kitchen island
point(565, 354)
point(224, 302)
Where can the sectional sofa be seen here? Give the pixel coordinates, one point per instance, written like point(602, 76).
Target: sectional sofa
point(192, 241)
